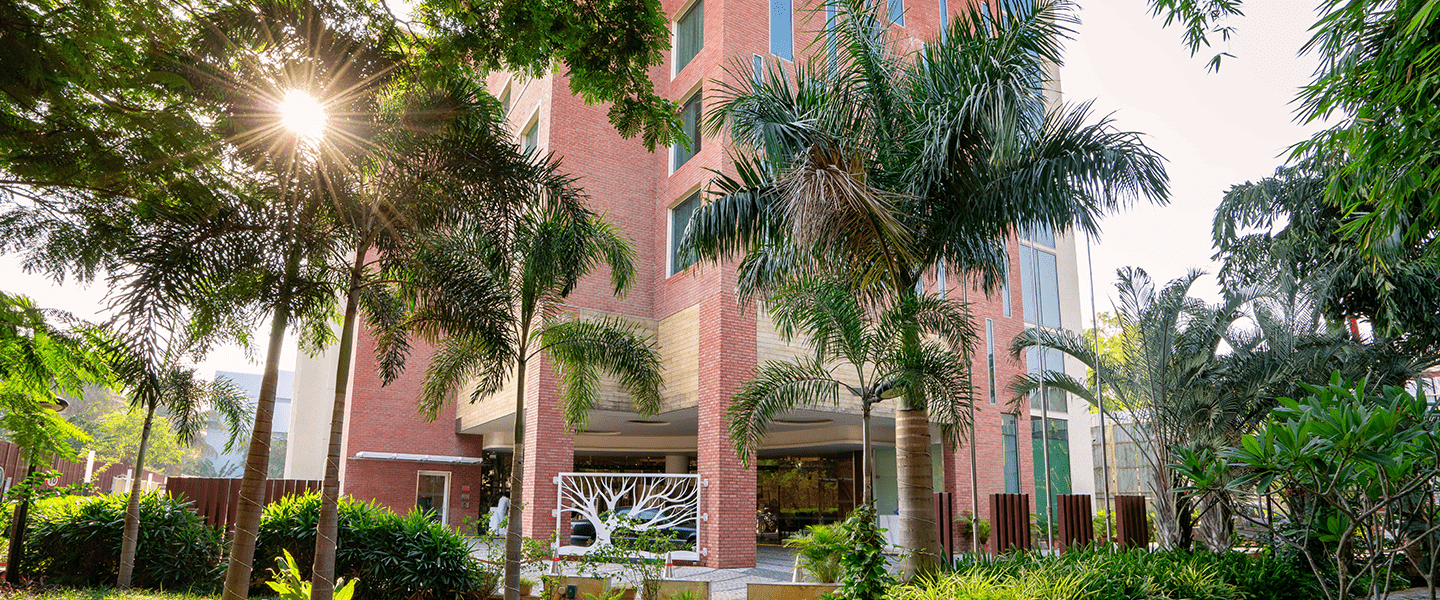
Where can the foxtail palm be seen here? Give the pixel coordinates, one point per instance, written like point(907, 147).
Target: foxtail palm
point(492, 298)
point(858, 352)
point(882, 164)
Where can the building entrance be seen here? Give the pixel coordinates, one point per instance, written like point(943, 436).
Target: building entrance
point(797, 490)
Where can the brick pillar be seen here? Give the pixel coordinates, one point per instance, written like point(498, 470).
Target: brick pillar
point(549, 451)
point(727, 357)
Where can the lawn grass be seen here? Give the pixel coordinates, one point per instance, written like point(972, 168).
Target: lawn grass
point(97, 594)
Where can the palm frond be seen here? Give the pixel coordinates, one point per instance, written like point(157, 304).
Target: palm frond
point(582, 349)
point(777, 388)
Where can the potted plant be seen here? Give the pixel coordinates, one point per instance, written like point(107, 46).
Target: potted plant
point(527, 585)
point(968, 525)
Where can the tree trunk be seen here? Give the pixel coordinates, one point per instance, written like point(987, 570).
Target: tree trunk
point(869, 457)
point(131, 539)
point(517, 479)
point(257, 461)
point(17, 528)
point(327, 530)
point(917, 492)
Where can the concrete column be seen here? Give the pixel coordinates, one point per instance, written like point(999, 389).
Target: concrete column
point(727, 356)
point(677, 464)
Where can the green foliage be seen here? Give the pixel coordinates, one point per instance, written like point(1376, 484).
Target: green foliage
point(285, 580)
point(38, 362)
point(974, 585)
point(176, 550)
point(390, 555)
point(967, 523)
point(863, 567)
point(1103, 574)
point(1347, 467)
point(117, 438)
point(819, 549)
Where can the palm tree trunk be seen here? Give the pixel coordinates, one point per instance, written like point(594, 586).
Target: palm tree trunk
point(917, 492)
point(257, 461)
point(869, 455)
point(131, 539)
point(517, 479)
point(327, 531)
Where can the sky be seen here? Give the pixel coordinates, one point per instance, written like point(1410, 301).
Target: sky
point(1215, 129)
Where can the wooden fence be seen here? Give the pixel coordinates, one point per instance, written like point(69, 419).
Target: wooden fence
point(13, 467)
point(217, 498)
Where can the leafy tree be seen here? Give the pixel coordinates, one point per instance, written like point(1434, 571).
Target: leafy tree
point(494, 303)
point(1378, 77)
point(858, 353)
point(884, 164)
point(117, 440)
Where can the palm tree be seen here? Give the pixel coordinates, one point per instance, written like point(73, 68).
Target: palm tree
point(884, 164)
point(1169, 347)
point(189, 401)
point(858, 352)
point(493, 301)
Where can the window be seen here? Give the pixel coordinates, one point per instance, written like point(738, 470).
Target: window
point(1040, 234)
point(432, 494)
point(832, 46)
point(1054, 361)
point(505, 100)
point(940, 278)
point(782, 29)
point(1045, 312)
point(944, 19)
point(1009, 444)
point(1059, 444)
point(679, 219)
point(897, 12)
point(689, 35)
point(530, 140)
point(1005, 291)
point(758, 73)
point(690, 115)
point(990, 357)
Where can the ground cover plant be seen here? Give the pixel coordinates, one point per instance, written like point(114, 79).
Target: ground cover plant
point(175, 550)
point(392, 556)
point(1126, 575)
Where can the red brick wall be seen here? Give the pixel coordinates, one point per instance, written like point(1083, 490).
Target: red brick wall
point(727, 349)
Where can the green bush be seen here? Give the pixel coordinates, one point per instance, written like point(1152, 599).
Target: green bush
point(75, 540)
point(819, 549)
point(392, 556)
point(1136, 574)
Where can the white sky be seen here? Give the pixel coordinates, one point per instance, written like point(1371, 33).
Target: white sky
point(1216, 129)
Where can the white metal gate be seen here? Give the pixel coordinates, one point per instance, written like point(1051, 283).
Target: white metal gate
point(600, 502)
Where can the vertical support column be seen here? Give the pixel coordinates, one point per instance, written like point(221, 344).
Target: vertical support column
point(677, 464)
point(549, 451)
point(1010, 522)
point(727, 495)
point(1076, 521)
point(1131, 527)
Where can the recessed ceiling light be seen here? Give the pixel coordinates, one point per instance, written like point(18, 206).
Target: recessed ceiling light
point(803, 421)
point(599, 432)
point(650, 423)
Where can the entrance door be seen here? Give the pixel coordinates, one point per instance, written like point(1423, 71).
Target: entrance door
point(432, 494)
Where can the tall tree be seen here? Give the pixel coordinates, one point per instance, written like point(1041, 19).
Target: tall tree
point(883, 164)
point(857, 352)
point(494, 303)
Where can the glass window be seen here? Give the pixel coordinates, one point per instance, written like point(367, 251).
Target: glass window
point(505, 100)
point(689, 35)
point(1047, 314)
point(1059, 444)
point(530, 140)
point(679, 219)
point(990, 357)
point(1009, 444)
point(940, 278)
point(944, 19)
point(1005, 291)
point(1054, 361)
point(690, 117)
point(897, 12)
point(782, 29)
point(758, 73)
point(430, 492)
point(1040, 234)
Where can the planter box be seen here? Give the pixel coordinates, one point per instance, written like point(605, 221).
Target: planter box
point(788, 591)
point(672, 587)
point(585, 587)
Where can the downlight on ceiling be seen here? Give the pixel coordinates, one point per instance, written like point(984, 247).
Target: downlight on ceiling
point(803, 421)
point(650, 423)
point(599, 432)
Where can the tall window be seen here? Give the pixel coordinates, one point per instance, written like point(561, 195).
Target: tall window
point(782, 29)
point(505, 100)
point(940, 278)
point(897, 12)
point(689, 35)
point(990, 357)
point(1005, 291)
point(1046, 310)
point(690, 117)
point(1054, 361)
point(944, 19)
point(1040, 234)
point(432, 492)
point(759, 67)
point(1059, 441)
point(530, 139)
point(832, 44)
point(679, 219)
point(1010, 445)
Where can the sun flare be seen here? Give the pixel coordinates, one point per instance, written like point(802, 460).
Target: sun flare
point(301, 113)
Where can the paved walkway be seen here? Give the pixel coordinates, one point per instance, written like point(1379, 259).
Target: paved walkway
point(1419, 593)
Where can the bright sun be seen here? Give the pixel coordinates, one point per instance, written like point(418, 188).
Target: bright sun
point(301, 113)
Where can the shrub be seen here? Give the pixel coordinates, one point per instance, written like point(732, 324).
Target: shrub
point(176, 550)
point(819, 549)
point(1135, 574)
point(392, 556)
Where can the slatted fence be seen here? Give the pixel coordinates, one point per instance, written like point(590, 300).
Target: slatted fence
point(13, 467)
point(218, 498)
